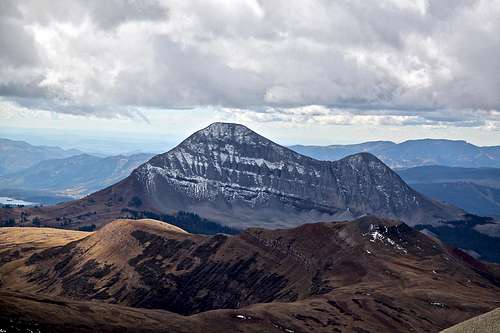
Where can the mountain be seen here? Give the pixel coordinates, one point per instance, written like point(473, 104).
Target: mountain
point(232, 175)
point(76, 175)
point(19, 155)
point(413, 153)
point(365, 275)
point(476, 190)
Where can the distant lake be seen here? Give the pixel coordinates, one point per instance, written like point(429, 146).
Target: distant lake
point(12, 201)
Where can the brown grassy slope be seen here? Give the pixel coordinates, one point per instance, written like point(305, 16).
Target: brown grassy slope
point(37, 237)
point(22, 242)
point(44, 314)
point(17, 243)
point(56, 315)
point(369, 274)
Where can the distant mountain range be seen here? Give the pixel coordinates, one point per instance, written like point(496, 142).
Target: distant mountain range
point(19, 155)
point(74, 176)
point(476, 190)
point(412, 153)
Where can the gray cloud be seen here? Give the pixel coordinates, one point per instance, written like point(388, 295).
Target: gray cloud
point(18, 55)
point(111, 13)
point(406, 61)
point(105, 15)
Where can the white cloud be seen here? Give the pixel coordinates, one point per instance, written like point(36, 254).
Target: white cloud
point(321, 115)
point(404, 61)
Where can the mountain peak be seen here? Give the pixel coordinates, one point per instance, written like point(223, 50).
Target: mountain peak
point(219, 125)
point(224, 130)
point(226, 136)
point(364, 158)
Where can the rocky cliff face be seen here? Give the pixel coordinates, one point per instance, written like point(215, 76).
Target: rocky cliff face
point(234, 175)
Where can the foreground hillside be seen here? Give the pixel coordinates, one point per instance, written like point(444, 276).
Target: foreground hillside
point(366, 275)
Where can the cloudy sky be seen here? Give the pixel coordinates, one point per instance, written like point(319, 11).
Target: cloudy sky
point(299, 71)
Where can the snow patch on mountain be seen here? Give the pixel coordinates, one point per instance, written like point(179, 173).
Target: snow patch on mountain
point(380, 233)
